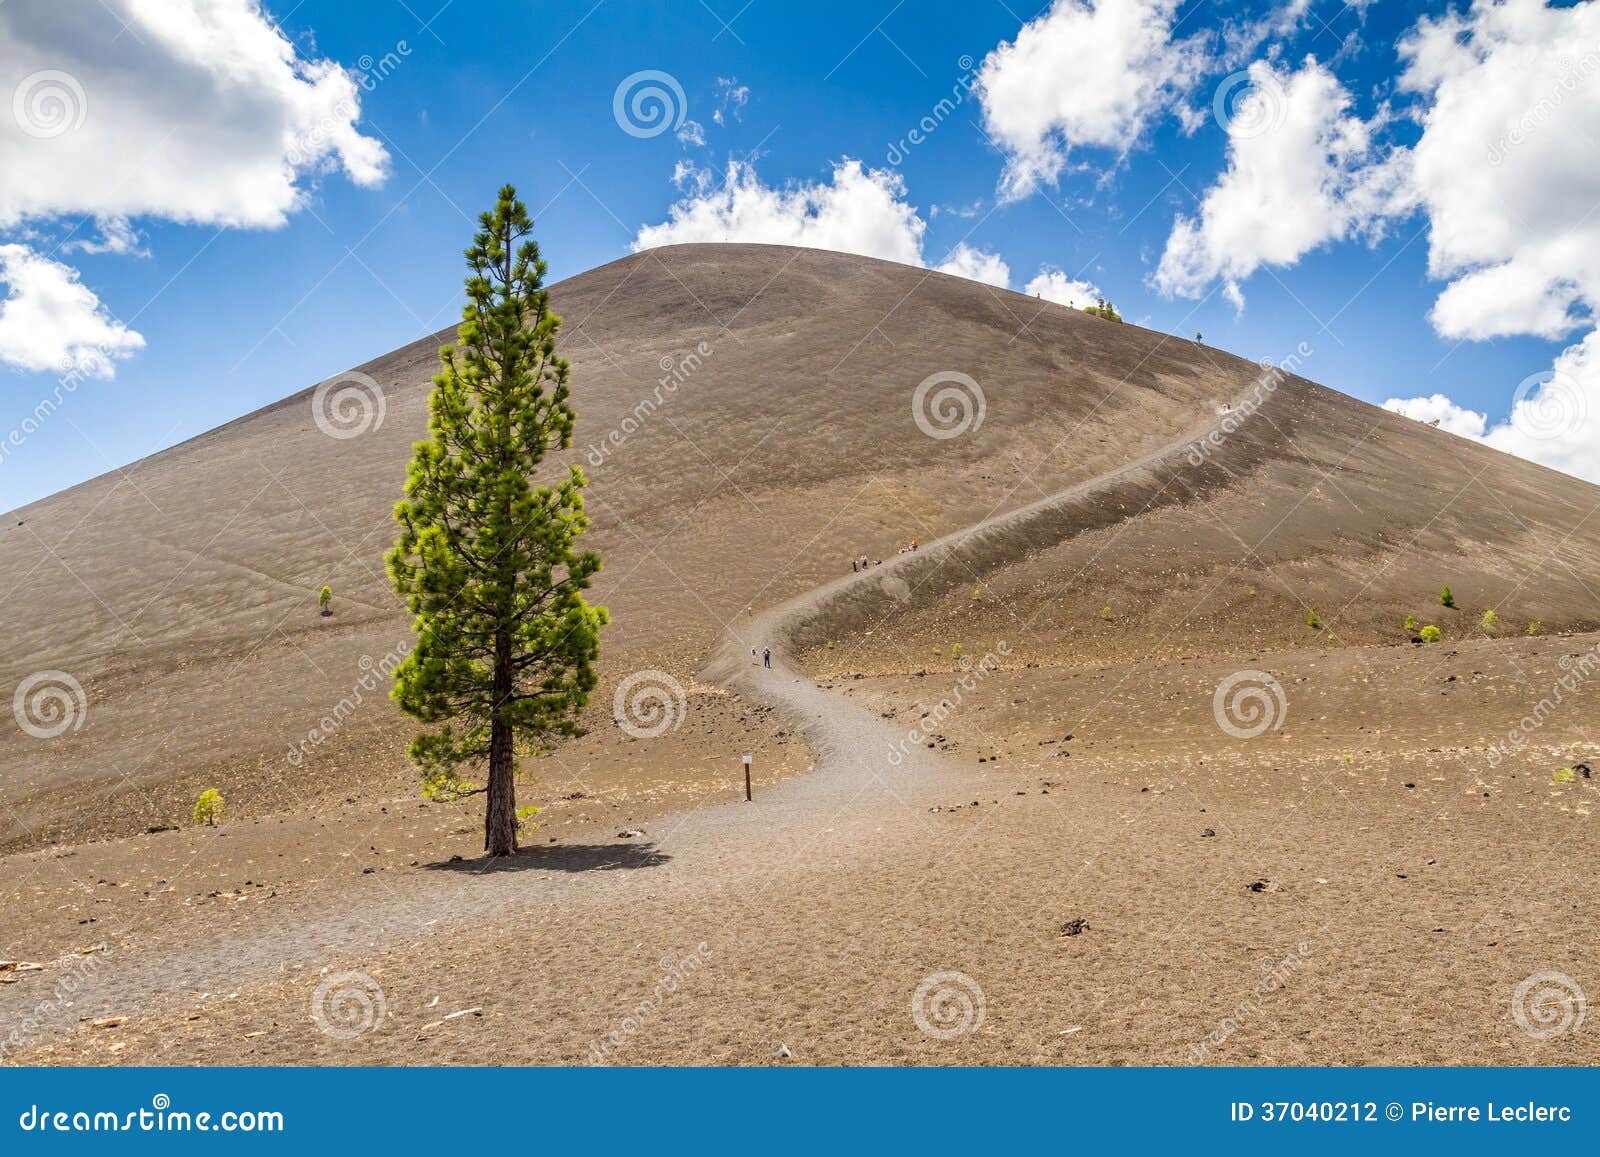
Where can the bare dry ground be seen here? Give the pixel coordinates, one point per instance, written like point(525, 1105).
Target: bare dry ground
point(1361, 881)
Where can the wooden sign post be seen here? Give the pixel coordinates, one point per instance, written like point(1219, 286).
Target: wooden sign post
point(747, 796)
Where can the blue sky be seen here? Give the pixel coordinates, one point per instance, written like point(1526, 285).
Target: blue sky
point(235, 314)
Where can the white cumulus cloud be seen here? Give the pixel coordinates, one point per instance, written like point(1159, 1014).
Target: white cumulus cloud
point(199, 112)
point(857, 210)
point(1505, 171)
point(1087, 73)
point(976, 265)
point(1505, 165)
point(1438, 410)
point(1554, 418)
point(50, 321)
point(1302, 171)
point(1054, 285)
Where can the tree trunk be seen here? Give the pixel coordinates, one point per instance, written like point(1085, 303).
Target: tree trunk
point(500, 820)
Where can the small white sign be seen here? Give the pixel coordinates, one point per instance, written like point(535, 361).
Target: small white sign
point(747, 759)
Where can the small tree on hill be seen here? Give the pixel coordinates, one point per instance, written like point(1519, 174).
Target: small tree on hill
point(325, 598)
point(1104, 309)
point(1446, 599)
point(487, 561)
point(208, 808)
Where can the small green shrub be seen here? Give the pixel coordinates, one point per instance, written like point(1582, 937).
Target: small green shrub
point(325, 598)
point(208, 808)
point(1105, 613)
point(1103, 308)
point(1490, 620)
point(1411, 623)
point(1533, 629)
point(443, 785)
point(1564, 775)
point(1312, 621)
point(1431, 634)
point(1446, 599)
point(955, 650)
point(525, 818)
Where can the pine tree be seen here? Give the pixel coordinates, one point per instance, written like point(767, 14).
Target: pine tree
point(487, 561)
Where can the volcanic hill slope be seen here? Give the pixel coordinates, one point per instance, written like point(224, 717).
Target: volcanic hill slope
point(1121, 523)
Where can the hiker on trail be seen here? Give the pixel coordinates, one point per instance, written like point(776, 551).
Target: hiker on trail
point(766, 657)
point(855, 566)
point(753, 658)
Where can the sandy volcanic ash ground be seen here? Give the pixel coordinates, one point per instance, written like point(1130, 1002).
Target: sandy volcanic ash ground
point(1332, 861)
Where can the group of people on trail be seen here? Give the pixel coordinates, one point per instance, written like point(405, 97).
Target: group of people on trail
point(765, 658)
point(864, 563)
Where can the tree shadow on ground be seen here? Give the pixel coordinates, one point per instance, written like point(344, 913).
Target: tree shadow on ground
point(560, 858)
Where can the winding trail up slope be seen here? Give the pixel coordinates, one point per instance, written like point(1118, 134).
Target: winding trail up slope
point(747, 417)
point(858, 800)
point(182, 593)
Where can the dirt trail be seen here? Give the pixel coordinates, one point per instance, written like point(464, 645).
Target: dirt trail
point(849, 805)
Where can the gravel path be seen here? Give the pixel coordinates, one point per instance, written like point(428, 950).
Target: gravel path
point(857, 800)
